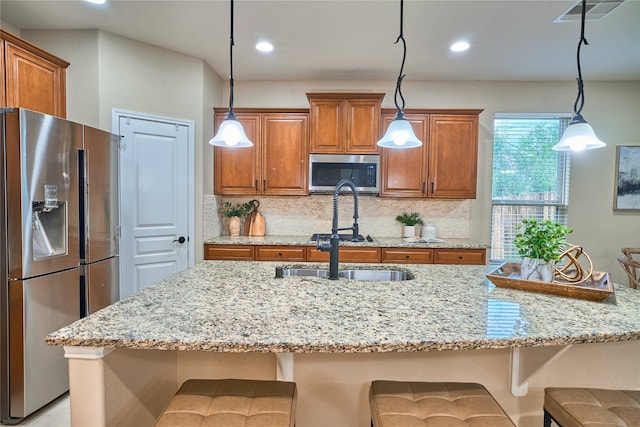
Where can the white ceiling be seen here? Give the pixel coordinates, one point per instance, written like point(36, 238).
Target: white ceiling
point(331, 39)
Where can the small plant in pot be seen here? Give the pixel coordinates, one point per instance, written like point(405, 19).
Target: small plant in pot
point(410, 220)
point(540, 243)
point(235, 211)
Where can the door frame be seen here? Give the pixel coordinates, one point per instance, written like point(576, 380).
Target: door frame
point(116, 115)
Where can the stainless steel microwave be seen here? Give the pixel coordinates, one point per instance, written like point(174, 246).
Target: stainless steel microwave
point(326, 170)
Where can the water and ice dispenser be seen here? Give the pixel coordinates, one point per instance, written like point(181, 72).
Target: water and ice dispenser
point(49, 224)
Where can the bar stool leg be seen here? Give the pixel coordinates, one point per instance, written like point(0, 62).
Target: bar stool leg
point(547, 419)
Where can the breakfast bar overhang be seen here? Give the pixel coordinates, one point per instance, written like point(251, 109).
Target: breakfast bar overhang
point(235, 319)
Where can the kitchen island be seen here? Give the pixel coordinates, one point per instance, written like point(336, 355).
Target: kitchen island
point(235, 319)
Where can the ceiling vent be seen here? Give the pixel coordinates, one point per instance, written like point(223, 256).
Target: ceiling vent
point(596, 9)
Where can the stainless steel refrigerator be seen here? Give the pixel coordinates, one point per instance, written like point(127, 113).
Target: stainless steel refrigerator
point(51, 206)
point(99, 220)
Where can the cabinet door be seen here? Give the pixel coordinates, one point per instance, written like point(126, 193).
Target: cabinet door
point(237, 170)
point(345, 254)
point(326, 126)
point(404, 170)
point(284, 154)
point(3, 94)
point(280, 253)
point(460, 256)
point(229, 252)
point(453, 156)
point(363, 125)
point(407, 256)
point(34, 82)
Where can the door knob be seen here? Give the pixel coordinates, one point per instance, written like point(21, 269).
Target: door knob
point(180, 239)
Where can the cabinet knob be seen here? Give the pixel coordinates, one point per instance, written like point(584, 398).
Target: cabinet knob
point(407, 256)
point(180, 240)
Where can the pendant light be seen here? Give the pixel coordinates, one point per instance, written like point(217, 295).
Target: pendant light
point(231, 133)
point(400, 132)
point(579, 134)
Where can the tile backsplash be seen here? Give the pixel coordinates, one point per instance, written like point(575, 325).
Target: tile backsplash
point(305, 215)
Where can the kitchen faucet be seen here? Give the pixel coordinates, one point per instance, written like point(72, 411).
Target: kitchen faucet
point(334, 240)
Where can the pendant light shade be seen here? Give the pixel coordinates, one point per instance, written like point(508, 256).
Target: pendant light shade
point(230, 133)
point(579, 135)
point(400, 133)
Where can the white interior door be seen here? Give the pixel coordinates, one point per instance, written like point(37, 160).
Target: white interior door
point(154, 202)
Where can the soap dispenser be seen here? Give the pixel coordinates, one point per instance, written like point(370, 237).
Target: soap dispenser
point(428, 231)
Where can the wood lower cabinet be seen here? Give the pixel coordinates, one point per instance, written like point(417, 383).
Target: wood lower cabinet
point(460, 256)
point(344, 122)
point(229, 252)
point(345, 254)
point(445, 166)
point(31, 77)
point(280, 253)
point(407, 256)
point(277, 162)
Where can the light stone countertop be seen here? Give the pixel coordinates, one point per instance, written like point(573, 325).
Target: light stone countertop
point(385, 242)
point(231, 306)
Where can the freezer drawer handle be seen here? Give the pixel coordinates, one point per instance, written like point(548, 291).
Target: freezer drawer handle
point(180, 240)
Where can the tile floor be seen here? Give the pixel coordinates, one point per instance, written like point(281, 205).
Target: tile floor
point(55, 415)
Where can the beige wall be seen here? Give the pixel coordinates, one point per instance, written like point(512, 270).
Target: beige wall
point(109, 71)
point(135, 76)
point(612, 108)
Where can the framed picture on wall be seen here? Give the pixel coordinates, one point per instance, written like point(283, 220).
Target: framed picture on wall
point(627, 189)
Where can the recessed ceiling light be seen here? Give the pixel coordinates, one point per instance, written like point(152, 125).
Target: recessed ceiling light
point(459, 46)
point(264, 46)
point(96, 1)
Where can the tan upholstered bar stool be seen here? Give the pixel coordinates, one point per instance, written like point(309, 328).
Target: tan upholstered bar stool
point(231, 403)
point(580, 407)
point(413, 404)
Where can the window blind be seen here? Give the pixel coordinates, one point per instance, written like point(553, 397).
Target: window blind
point(530, 180)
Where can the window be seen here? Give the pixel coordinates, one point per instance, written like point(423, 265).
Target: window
point(530, 180)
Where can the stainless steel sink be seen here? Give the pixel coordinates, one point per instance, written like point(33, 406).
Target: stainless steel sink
point(366, 275)
point(304, 272)
point(375, 275)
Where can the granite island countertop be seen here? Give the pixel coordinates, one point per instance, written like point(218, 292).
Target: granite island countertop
point(229, 306)
point(384, 242)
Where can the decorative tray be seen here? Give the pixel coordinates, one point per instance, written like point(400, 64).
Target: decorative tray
point(596, 288)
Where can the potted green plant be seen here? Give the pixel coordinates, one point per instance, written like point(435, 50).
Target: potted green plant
point(235, 211)
point(409, 220)
point(540, 243)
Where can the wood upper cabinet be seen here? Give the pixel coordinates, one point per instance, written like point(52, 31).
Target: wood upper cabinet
point(277, 162)
point(404, 170)
point(237, 170)
point(344, 122)
point(453, 156)
point(31, 77)
point(284, 154)
point(445, 166)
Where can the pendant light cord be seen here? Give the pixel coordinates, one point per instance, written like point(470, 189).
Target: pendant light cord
point(580, 98)
point(230, 114)
point(398, 92)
